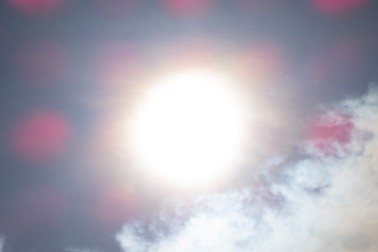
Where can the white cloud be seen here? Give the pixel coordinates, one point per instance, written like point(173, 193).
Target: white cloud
point(318, 203)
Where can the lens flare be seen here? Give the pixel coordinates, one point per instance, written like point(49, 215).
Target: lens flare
point(187, 130)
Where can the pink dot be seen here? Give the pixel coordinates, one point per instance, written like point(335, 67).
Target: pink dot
point(117, 64)
point(37, 7)
point(192, 51)
point(337, 7)
point(330, 129)
point(38, 208)
point(264, 60)
point(338, 61)
point(187, 7)
point(40, 136)
point(113, 206)
point(41, 63)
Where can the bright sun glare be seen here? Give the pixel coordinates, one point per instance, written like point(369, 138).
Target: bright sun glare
point(188, 129)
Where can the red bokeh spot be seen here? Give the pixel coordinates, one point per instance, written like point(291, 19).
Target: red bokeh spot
point(39, 208)
point(188, 7)
point(192, 52)
point(37, 7)
point(329, 130)
point(337, 62)
point(113, 206)
point(40, 136)
point(337, 7)
point(41, 63)
point(117, 64)
point(264, 61)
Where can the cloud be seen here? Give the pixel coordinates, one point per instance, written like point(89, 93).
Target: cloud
point(2, 243)
point(320, 202)
point(75, 249)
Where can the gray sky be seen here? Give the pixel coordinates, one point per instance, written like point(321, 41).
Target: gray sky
point(71, 71)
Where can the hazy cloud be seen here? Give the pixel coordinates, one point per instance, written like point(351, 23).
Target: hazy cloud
point(2, 242)
point(318, 203)
point(75, 249)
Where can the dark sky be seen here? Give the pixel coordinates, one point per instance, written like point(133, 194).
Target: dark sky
point(68, 69)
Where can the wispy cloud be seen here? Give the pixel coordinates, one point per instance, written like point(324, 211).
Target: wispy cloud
point(2, 242)
point(75, 249)
point(323, 202)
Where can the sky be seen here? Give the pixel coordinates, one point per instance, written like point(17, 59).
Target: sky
point(72, 73)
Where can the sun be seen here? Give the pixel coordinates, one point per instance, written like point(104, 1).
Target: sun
point(187, 130)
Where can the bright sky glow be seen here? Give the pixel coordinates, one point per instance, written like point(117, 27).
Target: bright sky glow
point(188, 129)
